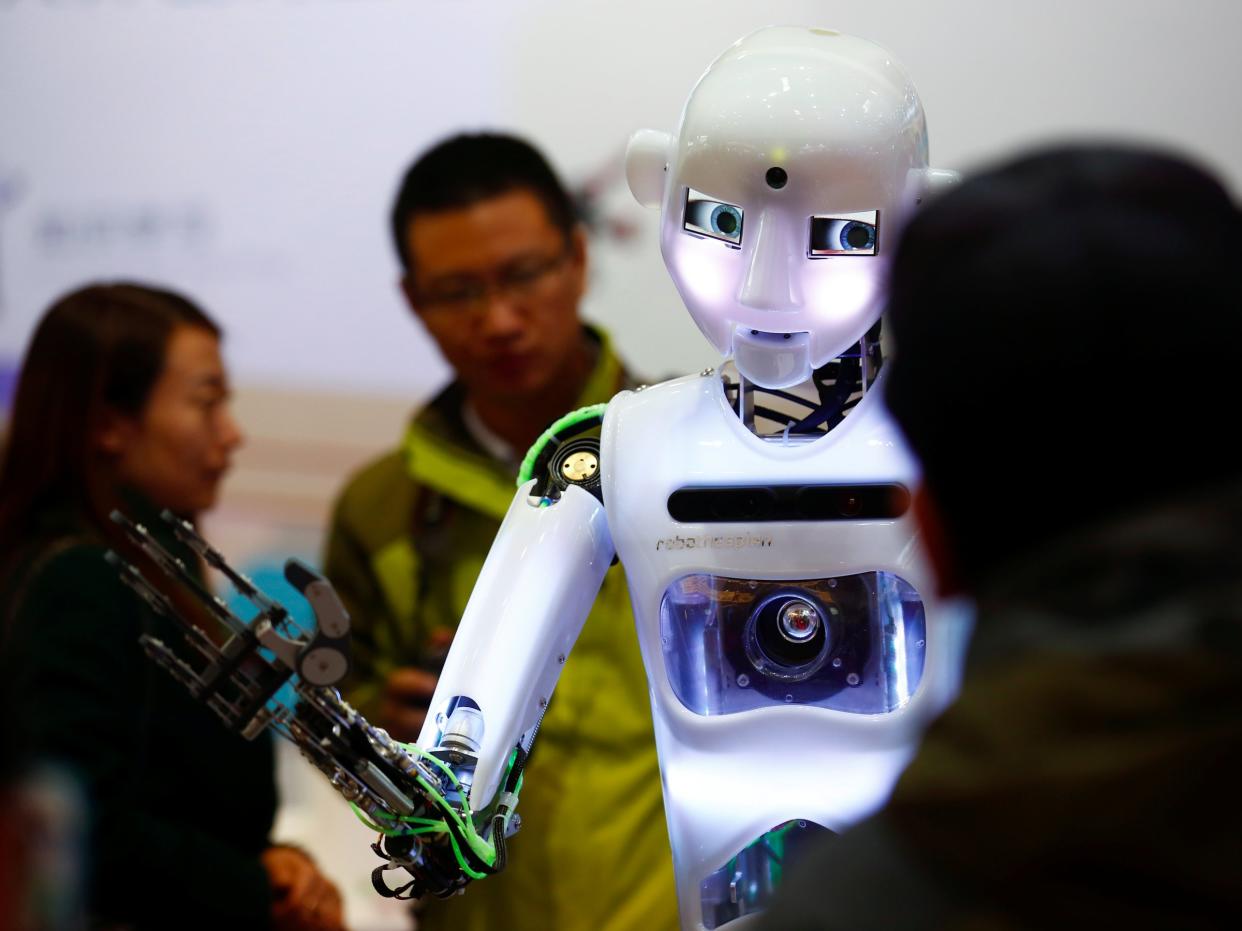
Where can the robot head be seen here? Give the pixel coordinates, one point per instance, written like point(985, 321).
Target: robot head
point(799, 153)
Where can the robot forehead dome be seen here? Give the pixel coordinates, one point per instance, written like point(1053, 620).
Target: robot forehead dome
point(817, 178)
point(814, 71)
point(834, 111)
point(806, 47)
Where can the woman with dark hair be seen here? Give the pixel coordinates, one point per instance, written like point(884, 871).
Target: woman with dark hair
point(123, 401)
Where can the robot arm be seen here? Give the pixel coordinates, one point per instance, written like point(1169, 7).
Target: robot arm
point(265, 673)
point(527, 608)
point(444, 805)
point(535, 590)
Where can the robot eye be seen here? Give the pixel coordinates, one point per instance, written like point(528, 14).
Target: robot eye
point(848, 234)
point(707, 217)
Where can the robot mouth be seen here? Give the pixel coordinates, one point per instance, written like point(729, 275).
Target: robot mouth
point(772, 360)
point(767, 336)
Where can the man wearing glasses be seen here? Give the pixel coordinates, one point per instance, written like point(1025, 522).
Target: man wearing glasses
point(495, 266)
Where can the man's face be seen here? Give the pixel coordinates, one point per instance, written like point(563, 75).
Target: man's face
point(497, 286)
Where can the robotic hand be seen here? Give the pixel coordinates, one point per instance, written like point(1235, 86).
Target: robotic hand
point(266, 674)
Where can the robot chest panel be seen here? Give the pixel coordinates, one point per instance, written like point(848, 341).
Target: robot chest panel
point(689, 488)
point(765, 574)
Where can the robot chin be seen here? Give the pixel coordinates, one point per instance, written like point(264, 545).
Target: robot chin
point(772, 360)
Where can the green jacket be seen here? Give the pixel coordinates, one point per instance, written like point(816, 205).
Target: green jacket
point(409, 536)
point(179, 808)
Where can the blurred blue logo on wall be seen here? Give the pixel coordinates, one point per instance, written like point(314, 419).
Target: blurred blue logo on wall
point(131, 227)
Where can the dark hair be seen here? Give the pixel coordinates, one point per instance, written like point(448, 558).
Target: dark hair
point(466, 169)
point(1066, 330)
point(96, 349)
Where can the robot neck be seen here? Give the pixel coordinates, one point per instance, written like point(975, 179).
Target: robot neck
point(814, 408)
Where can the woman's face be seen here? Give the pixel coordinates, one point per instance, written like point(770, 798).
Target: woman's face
point(177, 450)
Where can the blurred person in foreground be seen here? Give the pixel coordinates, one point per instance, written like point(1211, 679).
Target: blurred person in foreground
point(123, 402)
point(1067, 328)
point(494, 266)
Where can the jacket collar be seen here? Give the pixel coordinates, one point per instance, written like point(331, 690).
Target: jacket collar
point(441, 454)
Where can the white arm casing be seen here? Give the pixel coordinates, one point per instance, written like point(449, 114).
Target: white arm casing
point(528, 606)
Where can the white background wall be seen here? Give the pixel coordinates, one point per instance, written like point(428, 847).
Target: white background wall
point(246, 151)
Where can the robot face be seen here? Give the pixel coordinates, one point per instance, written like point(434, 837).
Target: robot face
point(798, 155)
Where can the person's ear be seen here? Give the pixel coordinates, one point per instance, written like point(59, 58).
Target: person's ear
point(936, 542)
point(113, 433)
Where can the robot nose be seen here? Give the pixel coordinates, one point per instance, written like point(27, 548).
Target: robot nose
point(771, 282)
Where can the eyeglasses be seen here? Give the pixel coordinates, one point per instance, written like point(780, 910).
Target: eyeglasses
point(526, 278)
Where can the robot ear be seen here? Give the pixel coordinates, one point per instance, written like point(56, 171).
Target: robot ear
point(646, 165)
point(923, 183)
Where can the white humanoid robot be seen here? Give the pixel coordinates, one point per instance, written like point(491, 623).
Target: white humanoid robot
point(786, 616)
